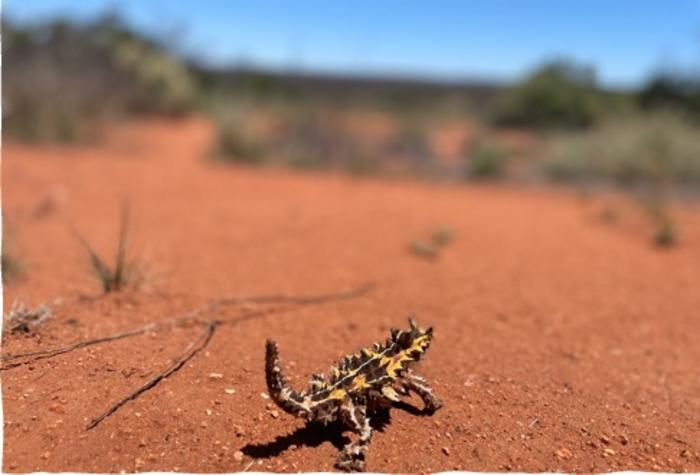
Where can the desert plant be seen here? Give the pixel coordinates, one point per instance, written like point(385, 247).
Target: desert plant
point(234, 145)
point(11, 266)
point(423, 249)
point(57, 73)
point(411, 141)
point(633, 151)
point(557, 95)
point(668, 90)
point(439, 238)
point(21, 318)
point(116, 277)
point(487, 160)
point(442, 236)
point(664, 229)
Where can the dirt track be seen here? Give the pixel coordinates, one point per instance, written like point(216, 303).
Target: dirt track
point(561, 343)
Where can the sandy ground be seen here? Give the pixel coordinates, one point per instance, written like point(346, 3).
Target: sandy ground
point(561, 343)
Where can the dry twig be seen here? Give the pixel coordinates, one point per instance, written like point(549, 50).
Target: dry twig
point(191, 350)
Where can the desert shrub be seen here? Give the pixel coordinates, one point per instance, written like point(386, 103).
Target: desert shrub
point(234, 141)
point(235, 146)
point(671, 91)
point(61, 80)
point(640, 150)
point(21, 318)
point(122, 273)
point(664, 229)
point(487, 159)
point(11, 266)
point(411, 141)
point(557, 95)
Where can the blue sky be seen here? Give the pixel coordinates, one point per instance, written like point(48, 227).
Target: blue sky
point(625, 40)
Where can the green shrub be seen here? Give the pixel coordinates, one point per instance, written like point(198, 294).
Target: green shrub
point(487, 160)
point(62, 80)
point(641, 150)
point(671, 91)
point(11, 267)
point(233, 145)
point(557, 95)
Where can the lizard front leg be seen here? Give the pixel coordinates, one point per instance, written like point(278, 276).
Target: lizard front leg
point(417, 384)
point(352, 458)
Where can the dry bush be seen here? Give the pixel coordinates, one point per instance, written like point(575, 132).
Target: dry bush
point(632, 151)
point(21, 318)
point(122, 273)
point(62, 80)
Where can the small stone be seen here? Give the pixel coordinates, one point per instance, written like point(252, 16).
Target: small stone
point(238, 456)
point(230, 391)
point(57, 408)
point(209, 412)
point(624, 440)
point(203, 425)
point(446, 450)
point(239, 431)
point(216, 376)
point(45, 455)
point(608, 452)
point(604, 439)
point(563, 453)
point(142, 443)
point(264, 396)
point(274, 414)
point(269, 406)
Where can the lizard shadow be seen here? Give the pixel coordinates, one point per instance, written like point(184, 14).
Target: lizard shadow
point(314, 434)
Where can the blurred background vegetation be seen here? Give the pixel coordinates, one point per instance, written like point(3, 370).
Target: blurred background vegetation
point(66, 82)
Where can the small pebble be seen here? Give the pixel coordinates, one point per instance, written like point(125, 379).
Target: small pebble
point(563, 453)
point(608, 452)
point(274, 414)
point(216, 376)
point(230, 391)
point(238, 456)
point(446, 450)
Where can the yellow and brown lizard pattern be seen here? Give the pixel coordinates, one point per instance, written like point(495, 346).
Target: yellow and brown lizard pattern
point(372, 378)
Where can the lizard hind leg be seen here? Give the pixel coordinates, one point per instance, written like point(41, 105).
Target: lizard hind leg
point(352, 457)
point(418, 385)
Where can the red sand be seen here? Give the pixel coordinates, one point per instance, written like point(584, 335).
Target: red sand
point(561, 343)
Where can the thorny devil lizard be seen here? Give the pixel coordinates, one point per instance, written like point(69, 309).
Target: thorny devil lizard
point(359, 383)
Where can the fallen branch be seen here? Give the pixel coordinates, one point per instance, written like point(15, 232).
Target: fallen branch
point(49, 353)
point(309, 299)
point(189, 352)
point(31, 357)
